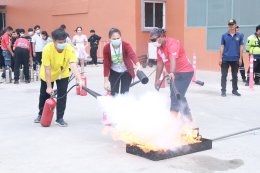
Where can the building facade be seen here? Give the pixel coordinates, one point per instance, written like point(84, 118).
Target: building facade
point(198, 24)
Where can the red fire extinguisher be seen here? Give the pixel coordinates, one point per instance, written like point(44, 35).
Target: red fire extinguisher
point(80, 91)
point(48, 111)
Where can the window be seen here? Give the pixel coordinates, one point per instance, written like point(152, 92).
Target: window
point(2, 20)
point(196, 13)
point(153, 14)
point(214, 15)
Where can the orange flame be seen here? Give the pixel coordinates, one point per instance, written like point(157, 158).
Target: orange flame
point(187, 135)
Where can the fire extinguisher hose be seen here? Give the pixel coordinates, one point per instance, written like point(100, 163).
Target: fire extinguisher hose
point(235, 134)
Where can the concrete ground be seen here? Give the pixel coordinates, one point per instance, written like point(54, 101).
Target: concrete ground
point(26, 147)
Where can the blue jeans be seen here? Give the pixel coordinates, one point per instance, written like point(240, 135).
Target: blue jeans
point(7, 57)
point(181, 84)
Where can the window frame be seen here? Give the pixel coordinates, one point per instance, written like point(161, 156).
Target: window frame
point(147, 29)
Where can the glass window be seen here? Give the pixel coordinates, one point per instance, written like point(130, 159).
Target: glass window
point(247, 12)
point(153, 14)
point(196, 13)
point(219, 12)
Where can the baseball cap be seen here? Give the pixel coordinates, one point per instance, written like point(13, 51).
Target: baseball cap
point(232, 22)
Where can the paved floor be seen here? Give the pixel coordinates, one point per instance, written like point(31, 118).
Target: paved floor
point(82, 147)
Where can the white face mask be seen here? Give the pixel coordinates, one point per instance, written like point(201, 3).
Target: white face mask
point(156, 44)
point(38, 31)
point(21, 34)
point(30, 33)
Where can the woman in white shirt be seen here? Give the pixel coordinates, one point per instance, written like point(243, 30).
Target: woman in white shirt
point(80, 42)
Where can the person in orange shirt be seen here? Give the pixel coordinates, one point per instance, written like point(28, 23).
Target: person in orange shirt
point(22, 56)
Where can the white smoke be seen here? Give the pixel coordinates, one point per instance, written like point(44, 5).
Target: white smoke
point(147, 117)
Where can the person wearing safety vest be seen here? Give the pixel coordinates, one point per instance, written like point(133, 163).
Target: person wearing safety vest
point(253, 48)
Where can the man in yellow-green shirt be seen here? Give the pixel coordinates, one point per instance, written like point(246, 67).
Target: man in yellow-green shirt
point(57, 58)
point(253, 47)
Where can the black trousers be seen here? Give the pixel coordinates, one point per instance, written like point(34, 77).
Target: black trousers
point(116, 79)
point(2, 60)
point(62, 86)
point(256, 70)
point(93, 54)
point(39, 58)
point(242, 70)
point(21, 57)
point(224, 71)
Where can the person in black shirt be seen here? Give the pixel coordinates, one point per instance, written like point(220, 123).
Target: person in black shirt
point(94, 41)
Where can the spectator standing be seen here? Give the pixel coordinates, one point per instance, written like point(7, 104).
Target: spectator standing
point(94, 42)
point(80, 42)
point(6, 48)
point(231, 54)
point(37, 45)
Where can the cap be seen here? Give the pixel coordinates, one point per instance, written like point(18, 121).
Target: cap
point(232, 22)
point(156, 32)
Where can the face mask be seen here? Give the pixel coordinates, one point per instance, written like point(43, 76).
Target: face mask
point(30, 33)
point(21, 34)
point(38, 31)
point(156, 44)
point(61, 46)
point(116, 42)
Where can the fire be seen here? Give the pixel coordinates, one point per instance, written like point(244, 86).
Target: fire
point(187, 135)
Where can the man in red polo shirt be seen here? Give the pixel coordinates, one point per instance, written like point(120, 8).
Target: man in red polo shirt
point(22, 56)
point(172, 55)
point(6, 47)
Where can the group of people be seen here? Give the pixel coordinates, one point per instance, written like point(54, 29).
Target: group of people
point(59, 58)
point(120, 67)
point(20, 50)
point(231, 54)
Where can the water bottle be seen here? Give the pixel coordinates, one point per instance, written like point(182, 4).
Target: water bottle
point(8, 75)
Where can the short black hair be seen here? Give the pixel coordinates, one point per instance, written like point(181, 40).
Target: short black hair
point(58, 34)
point(257, 28)
point(36, 26)
point(9, 28)
point(21, 30)
point(63, 26)
point(30, 29)
point(112, 31)
point(92, 31)
point(45, 33)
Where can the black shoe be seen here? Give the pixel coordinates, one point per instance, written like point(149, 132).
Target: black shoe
point(16, 82)
point(244, 80)
point(257, 83)
point(61, 122)
point(38, 119)
point(223, 94)
point(247, 84)
point(27, 81)
point(236, 93)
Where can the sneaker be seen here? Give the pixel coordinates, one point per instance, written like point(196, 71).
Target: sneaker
point(257, 83)
point(27, 81)
point(61, 122)
point(96, 65)
point(247, 84)
point(38, 119)
point(236, 93)
point(16, 82)
point(244, 80)
point(223, 94)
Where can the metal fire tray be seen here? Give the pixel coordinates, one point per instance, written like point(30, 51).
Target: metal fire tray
point(205, 144)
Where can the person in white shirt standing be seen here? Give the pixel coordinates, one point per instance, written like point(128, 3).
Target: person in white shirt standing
point(80, 42)
point(38, 44)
